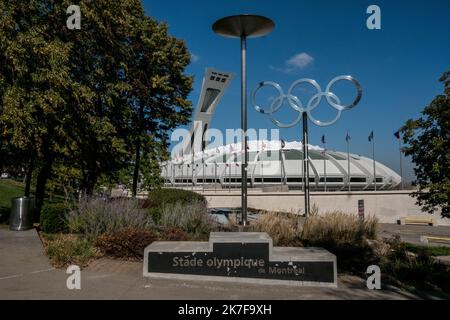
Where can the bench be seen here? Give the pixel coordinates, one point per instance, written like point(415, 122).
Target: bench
point(427, 221)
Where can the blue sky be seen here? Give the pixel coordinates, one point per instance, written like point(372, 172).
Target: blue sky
point(397, 66)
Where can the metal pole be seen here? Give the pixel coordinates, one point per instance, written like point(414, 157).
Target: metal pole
point(306, 163)
point(244, 128)
point(192, 173)
point(229, 178)
point(215, 176)
point(348, 166)
point(401, 162)
point(325, 164)
point(262, 168)
point(374, 168)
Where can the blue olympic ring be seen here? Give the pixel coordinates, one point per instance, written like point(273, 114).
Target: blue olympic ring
point(295, 103)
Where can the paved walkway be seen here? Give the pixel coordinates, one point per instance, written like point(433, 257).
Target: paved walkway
point(25, 273)
point(412, 233)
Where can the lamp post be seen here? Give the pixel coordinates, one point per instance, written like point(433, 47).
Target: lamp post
point(243, 27)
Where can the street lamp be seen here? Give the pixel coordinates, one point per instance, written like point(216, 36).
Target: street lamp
point(243, 27)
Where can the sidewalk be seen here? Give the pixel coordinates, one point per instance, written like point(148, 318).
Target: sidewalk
point(25, 273)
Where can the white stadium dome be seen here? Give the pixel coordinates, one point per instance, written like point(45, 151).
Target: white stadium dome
point(270, 164)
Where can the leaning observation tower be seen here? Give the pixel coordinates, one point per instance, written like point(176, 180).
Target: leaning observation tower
point(271, 163)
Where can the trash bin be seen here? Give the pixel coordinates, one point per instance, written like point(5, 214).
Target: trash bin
point(22, 210)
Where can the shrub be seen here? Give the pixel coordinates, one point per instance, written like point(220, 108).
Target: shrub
point(53, 218)
point(338, 228)
point(172, 234)
point(96, 216)
point(191, 217)
point(419, 270)
point(284, 229)
point(64, 250)
point(126, 243)
point(162, 197)
point(155, 213)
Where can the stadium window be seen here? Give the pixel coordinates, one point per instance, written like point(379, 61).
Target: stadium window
point(357, 179)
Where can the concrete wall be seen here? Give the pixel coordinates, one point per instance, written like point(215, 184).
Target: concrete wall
point(388, 206)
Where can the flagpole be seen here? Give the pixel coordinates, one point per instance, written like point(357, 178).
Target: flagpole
point(401, 162)
point(374, 167)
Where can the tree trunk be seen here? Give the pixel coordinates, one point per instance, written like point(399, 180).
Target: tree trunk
point(138, 150)
point(42, 179)
point(136, 167)
point(90, 185)
point(28, 177)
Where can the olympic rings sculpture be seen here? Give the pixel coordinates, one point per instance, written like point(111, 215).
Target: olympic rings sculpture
point(295, 103)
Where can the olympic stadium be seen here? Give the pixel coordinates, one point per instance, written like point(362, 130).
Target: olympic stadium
point(270, 163)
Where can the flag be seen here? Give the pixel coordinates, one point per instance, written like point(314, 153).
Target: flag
point(397, 135)
point(371, 137)
point(283, 144)
point(323, 139)
point(347, 138)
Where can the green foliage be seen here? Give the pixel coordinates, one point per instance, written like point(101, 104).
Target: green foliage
point(432, 251)
point(160, 197)
point(53, 218)
point(417, 270)
point(155, 213)
point(427, 141)
point(81, 104)
point(64, 250)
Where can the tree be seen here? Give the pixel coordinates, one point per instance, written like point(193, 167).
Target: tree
point(427, 141)
point(80, 104)
point(159, 94)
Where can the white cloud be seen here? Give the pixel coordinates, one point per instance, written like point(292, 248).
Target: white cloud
point(194, 58)
point(298, 62)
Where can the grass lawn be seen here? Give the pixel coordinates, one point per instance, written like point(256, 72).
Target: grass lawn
point(8, 189)
point(432, 251)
